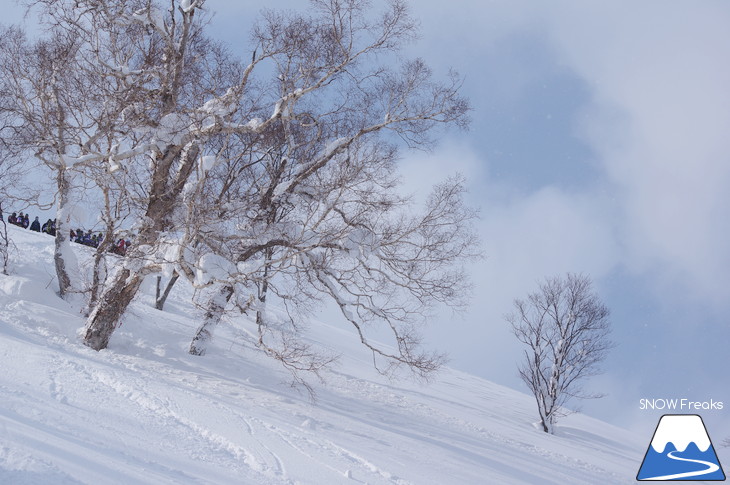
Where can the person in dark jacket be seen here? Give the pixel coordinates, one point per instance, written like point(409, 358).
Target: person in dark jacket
point(13, 218)
point(36, 225)
point(26, 221)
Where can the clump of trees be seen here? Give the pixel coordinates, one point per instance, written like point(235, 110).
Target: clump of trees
point(272, 178)
point(565, 328)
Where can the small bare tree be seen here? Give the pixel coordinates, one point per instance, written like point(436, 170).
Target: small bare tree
point(4, 242)
point(565, 327)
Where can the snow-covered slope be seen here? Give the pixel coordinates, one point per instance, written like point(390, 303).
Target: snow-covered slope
point(144, 411)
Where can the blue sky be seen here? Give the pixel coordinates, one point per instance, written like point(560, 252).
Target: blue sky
point(599, 144)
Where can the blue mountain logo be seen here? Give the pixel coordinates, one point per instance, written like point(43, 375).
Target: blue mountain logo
point(681, 450)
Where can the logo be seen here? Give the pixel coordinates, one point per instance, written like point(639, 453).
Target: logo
point(681, 450)
point(680, 405)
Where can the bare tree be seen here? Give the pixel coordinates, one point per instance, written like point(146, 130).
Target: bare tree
point(175, 68)
point(4, 242)
point(10, 178)
point(115, 207)
point(565, 328)
point(311, 211)
point(349, 239)
point(65, 109)
point(274, 179)
point(328, 97)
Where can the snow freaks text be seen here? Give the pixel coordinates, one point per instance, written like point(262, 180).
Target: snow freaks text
point(679, 405)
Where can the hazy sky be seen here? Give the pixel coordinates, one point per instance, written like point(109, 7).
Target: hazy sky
point(599, 144)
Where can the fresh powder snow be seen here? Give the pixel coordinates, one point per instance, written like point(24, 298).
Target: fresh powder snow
point(145, 412)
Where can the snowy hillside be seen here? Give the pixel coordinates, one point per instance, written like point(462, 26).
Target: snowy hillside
point(144, 411)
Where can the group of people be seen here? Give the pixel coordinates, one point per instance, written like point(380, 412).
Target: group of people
point(86, 238)
point(21, 220)
point(78, 236)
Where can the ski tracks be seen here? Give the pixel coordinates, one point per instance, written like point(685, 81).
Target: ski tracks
point(175, 419)
point(188, 415)
point(310, 446)
point(198, 419)
point(259, 438)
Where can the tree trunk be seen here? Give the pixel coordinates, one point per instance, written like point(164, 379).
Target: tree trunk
point(4, 242)
point(63, 256)
point(112, 305)
point(162, 199)
point(160, 299)
point(100, 276)
point(98, 280)
point(216, 305)
point(547, 421)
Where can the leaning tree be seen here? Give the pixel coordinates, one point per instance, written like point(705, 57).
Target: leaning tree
point(311, 210)
point(276, 177)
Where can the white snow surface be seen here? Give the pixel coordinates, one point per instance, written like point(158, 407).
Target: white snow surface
point(145, 412)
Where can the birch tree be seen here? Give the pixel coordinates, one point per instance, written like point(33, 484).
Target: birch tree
point(176, 68)
point(329, 97)
point(39, 101)
point(10, 179)
point(349, 239)
point(66, 109)
point(564, 327)
point(280, 173)
point(311, 211)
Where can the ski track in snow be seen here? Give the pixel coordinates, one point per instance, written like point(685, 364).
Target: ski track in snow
point(145, 412)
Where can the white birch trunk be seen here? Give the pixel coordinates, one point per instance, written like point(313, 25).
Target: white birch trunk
point(67, 267)
point(215, 308)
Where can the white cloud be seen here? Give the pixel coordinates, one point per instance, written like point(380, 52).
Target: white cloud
point(659, 121)
point(527, 237)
